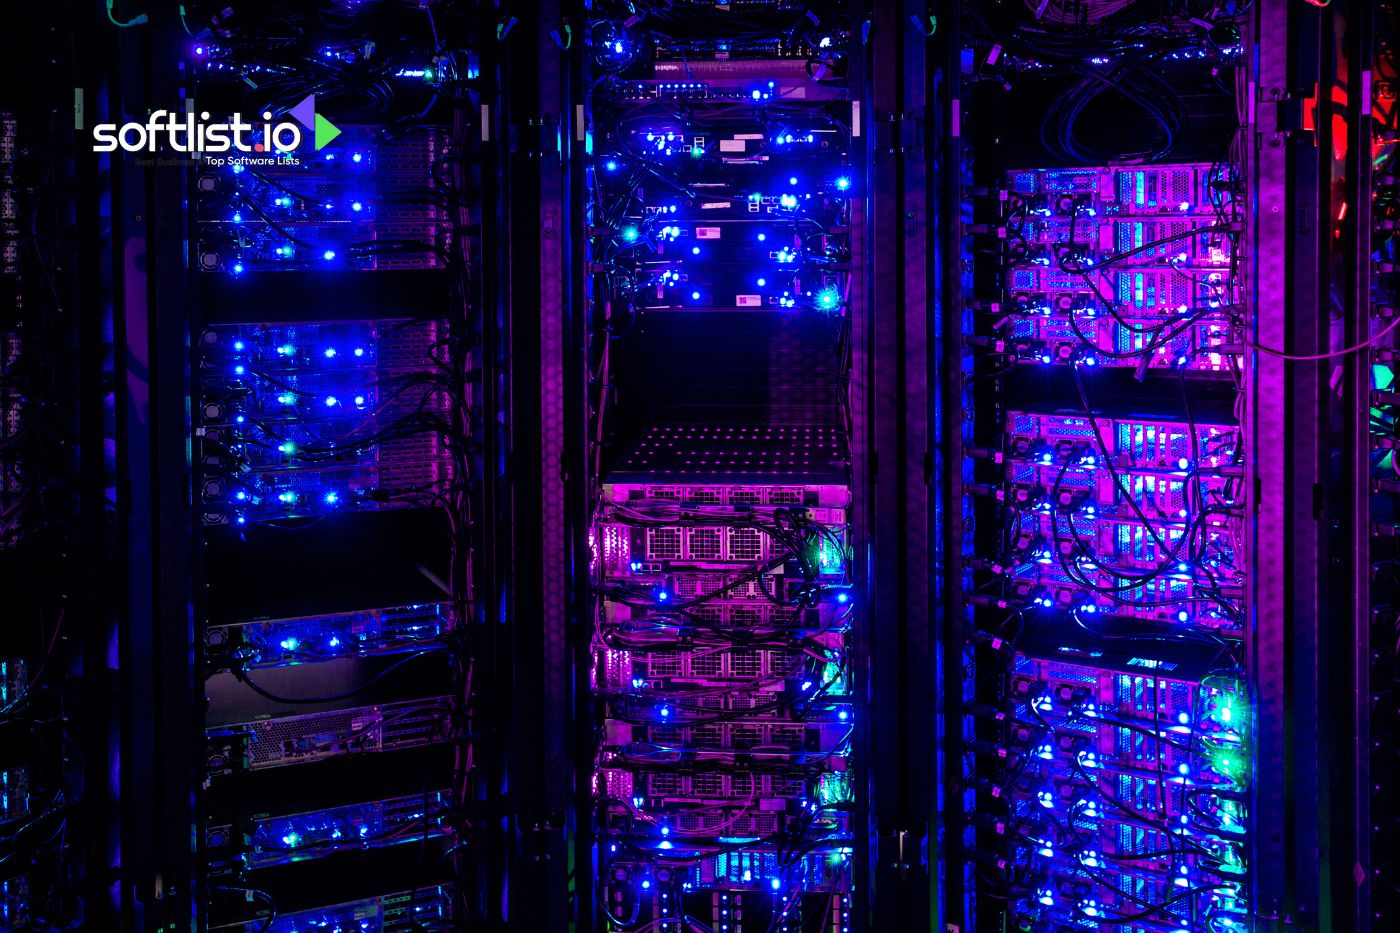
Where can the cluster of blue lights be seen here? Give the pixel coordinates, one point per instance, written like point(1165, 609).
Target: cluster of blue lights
point(765, 92)
point(318, 638)
point(657, 806)
point(1199, 757)
point(1133, 209)
point(743, 207)
point(282, 840)
point(283, 419)
point(320, 212)
point(786, 188)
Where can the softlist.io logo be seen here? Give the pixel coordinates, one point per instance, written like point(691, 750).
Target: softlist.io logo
point(194, 134)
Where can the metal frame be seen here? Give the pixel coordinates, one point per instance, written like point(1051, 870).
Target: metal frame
point(157, 698)
point(892, 470)
point(490, 535)
point(956, 883)
point(541, 577)
point(1265, 495)
point(1355, 886)
point(1307, 430)
point(876, 510)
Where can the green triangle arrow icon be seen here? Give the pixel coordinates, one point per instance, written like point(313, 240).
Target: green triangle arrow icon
point(325, 131)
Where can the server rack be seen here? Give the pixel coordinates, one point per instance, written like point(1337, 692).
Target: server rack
point(723, 663)
point(336, 351)
point(1105, 756)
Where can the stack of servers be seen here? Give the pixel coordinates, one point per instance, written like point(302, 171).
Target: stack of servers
point(723, 664)
point(332, 425)
point(1112, 736)
point(724, 669)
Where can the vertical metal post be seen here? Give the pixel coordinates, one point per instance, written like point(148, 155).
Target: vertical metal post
point(1293, 492)
point(915, 478)
point(491, 531)
point(892, 472)
point(155, 781)
point(580, 481)
point(542, 556)
point(1266, 495)
point(1356, 877)
point(94, 608)
point(876, 467)
point(948, 326)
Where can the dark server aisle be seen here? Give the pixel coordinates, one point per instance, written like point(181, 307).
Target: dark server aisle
point(699, 466)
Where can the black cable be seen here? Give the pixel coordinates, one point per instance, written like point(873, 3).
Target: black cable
point(257, 895)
